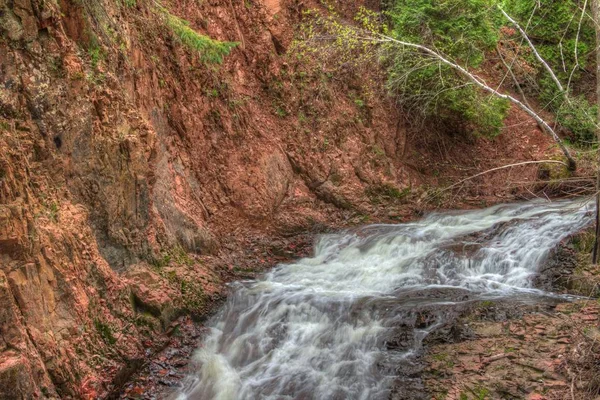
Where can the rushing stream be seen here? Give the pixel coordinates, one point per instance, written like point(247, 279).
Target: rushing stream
point(341, 324)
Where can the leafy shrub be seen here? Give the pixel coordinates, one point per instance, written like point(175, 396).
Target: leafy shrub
point(461, 30)
point(577, 116)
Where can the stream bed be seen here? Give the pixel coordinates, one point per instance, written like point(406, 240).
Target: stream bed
point(349, 322)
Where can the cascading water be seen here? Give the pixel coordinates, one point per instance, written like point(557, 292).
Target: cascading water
point(337, 325)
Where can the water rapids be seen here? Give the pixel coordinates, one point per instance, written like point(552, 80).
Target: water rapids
point(338, 324)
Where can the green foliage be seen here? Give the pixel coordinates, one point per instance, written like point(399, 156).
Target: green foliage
point(461, 30)
point(53, 210)
point(464, 32)
point(280, 111)
point(386, 192)
point(482, 393)
point(345, 51)
point(554, 29)
point(210, 50)
point(577, 116)
point(95, 52)
point(568, 49)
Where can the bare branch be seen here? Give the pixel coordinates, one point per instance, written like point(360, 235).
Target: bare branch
point(535, 52)
point(483, 85)
point(514, 78)
point(577, 65)
point(501, 168)
point(533, 48)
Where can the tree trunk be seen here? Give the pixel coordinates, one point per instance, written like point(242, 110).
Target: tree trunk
point(596, 16)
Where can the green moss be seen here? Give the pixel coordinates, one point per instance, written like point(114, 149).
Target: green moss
point(105, 332)
point(175, 254)
point(146, 319)
point(192, 293)
point(486, 304)
point(210, 50)
point(192, 296)
point(386, 192)
point(482, 393)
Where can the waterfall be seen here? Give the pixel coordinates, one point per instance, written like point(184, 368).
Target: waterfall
point(320, 328)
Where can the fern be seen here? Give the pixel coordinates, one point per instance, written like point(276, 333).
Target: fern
point(210, 50)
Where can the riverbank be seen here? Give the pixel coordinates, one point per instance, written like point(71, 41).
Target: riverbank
point(507, 350)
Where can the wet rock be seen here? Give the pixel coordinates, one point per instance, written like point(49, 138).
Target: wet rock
point(149, 293)
point(558, 268)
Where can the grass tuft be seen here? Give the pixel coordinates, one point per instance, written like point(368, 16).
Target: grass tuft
point(210, 50)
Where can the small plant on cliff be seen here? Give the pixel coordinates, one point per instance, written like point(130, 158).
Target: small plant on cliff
point(210, 50)
point(386, 192)
point(105, 332)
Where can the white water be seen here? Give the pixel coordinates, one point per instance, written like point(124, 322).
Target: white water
point(321, 328)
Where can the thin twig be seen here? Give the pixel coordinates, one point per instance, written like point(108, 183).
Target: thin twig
point(501, 168)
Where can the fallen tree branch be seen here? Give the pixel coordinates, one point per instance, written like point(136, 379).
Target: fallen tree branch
point(534, 50)
point(501, 168)
point(572, 164)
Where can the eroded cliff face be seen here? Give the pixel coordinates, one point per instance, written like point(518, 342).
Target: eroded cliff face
point(135, 178)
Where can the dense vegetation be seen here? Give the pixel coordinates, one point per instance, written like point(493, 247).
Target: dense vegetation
point(476, 35)
point(462, 30)
point(471, 32)
point(564, 36)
